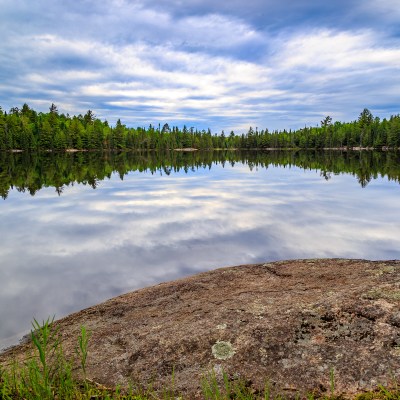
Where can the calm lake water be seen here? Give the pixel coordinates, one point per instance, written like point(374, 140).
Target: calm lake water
point(70, 246)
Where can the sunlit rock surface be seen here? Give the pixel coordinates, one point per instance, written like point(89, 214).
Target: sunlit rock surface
point(291, 323)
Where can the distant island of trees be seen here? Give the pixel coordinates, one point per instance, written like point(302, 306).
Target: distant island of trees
point(26, 129)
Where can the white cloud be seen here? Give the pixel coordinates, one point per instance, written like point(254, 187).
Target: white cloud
point(146, 64)
point(330, 50)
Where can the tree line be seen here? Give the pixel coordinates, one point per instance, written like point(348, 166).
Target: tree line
point(27, 129)
point(30, 171)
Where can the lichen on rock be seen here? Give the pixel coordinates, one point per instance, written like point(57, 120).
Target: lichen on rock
point(222, 350)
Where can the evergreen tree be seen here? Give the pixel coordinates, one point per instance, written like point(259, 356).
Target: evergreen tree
point(60, 141)
point(46, 136)
point(88, 118)
point(394, 132)
point(364, 122)
point(117, 141)
point(6, 142)
point(74, 135)
point(27, 138)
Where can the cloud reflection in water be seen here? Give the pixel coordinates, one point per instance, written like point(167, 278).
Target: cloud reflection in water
point(61, 254)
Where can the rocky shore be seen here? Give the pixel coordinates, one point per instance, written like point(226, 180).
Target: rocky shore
point(292, 323)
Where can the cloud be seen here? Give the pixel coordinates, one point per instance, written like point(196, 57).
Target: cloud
point(384, 14)
point(200, 63)
point(344, 50)
point(63, 254)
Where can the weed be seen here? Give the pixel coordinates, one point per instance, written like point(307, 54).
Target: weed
point(332, 381)
point(46, 375)
point(82, 349)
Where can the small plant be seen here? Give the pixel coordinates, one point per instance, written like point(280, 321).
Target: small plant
point(46, 342)
point(44, 373)
point(210, 386)
point(267, 391)
point(332, 381)
point(229, 388)
point(82, 348)
point(169, 392)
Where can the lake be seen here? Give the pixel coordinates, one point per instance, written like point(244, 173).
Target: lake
point(79, 228)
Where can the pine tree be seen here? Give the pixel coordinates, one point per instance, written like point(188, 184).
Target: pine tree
point(74, 136)
point(60, 141)
point(365, 121)
point(46, 136)
point(117, 136)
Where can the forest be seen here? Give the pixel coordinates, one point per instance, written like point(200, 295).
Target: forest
point(27, 129)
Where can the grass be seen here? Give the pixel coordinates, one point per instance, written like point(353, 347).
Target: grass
point(47, 374)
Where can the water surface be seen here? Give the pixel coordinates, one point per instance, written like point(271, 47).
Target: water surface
point(70, 246)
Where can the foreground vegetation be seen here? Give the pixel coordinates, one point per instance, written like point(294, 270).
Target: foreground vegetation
point(26, 129)
point(47, 374)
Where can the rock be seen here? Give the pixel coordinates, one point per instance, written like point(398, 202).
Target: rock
point(291, 323)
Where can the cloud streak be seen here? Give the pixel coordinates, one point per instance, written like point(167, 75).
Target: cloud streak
point(201, 63)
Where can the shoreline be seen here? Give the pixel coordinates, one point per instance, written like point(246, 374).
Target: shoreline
point(191, 149)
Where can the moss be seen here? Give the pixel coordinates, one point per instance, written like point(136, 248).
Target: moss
point(388, 294)
point(222, 350)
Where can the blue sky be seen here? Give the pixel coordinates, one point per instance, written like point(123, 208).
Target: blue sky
point(209, 63)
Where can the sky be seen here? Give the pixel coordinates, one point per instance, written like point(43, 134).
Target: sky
point(224, 65)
